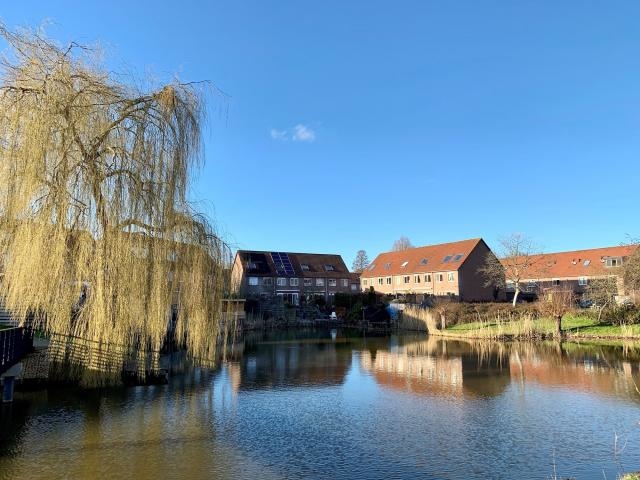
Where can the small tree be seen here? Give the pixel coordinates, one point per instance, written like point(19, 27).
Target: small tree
point(443, 306)
point(403, 243)
point(361, 262)
point(516, 258)
point(631, 271)
point(555, 303)
point(601, 291)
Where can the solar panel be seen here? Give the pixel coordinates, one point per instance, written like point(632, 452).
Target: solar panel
point(282, 263)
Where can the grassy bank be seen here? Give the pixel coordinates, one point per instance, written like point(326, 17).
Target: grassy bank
point(524, 325)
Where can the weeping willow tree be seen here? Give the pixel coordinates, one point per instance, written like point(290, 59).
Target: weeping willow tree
point(97, 239)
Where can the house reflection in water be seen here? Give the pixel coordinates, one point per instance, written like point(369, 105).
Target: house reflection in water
point(304, 362)
point(433, 367)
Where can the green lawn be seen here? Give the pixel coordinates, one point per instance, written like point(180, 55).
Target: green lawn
point(573, 326)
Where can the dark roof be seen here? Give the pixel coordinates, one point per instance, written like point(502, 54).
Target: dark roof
point(291, 264)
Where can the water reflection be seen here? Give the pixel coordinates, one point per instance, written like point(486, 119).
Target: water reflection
point(314, 404)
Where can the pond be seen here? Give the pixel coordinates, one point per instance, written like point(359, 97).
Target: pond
point(323, 404)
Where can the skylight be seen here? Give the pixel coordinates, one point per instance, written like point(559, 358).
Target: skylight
point(373, 265)
point(387, 265)
point(424, 261)
point(447, 259)
point(458, 257)
point(404, 264)
point(586, 263)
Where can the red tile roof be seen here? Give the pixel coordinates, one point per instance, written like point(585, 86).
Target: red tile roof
point(430, 258)
point(577, 263)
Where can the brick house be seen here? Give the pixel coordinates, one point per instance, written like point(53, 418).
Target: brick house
point(446, 269)
point(573, 270)
point(292, 276)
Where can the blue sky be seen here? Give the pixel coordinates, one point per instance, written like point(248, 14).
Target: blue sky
point(349, 124)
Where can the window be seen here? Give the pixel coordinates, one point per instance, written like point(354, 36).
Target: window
point(354, 287)
point(333, 282)
point(281, 282)
point(406, 278)
point(319, 282)
point(308, 282)
point(388, 280)
point(304, 267)
point(447, 259)
point(345, 282)
point(372, 266)
point(532, 287)
point(582, 281)
point(387, 265)
point(427, 278)
point(365, 282)
point(380, 281)
point(613, 262)
point(253, 281)
point(424, 261)
point(267, 281)
point(417, 278)
point(329, 268)
point(293, 282)
point(458, 257)
point(440, 277)
point(450, 276)
point(510, 286)
point(404, 264)
point(586, 263)
point(555, 282)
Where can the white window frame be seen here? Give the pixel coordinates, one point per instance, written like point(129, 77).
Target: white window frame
point(267, 281)
point(308, 282)
point(252, 281)
point(439, 277)
point(427, 278)
point(583, 281)
point(281, 282)
point(319, 282)
point(388, 280)
point(406, 279)
point(294, 282)
point(332, 282)
point(451, 277)
point(345, 282)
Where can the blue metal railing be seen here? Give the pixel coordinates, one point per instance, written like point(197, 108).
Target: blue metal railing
point(15, 343)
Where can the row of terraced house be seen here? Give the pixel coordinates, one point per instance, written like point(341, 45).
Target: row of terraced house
point(446, 269)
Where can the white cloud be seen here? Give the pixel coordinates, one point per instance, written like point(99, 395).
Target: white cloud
point(279, 134)
point(302, 133)
point(299, 133)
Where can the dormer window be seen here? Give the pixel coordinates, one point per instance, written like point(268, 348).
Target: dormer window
point(304, 267)
point(329, 268)
point(613, 261)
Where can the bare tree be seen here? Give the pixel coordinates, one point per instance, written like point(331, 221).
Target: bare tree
point(602, 291)
point(516, 257)
point(631, 269)
point(361, 262)
point(403, 243)
point(555, 303)
point(93, 204)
